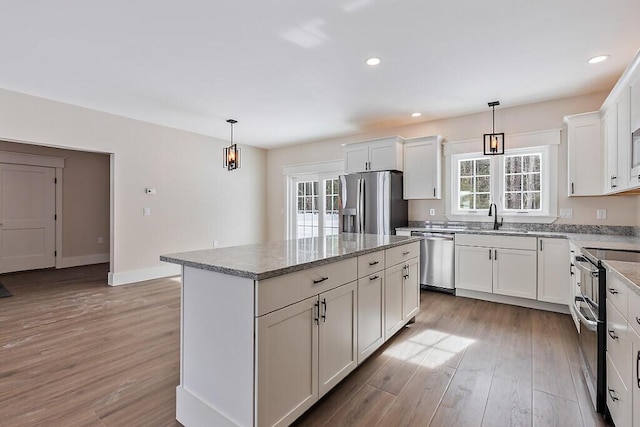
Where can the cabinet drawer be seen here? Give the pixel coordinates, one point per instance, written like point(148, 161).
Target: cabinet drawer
point(617, 293)
point(618, 396)
point(633, 313)
point(402, 253)
point(497, 241)
point(618, 343)
point(370, 263)
point(277, 292)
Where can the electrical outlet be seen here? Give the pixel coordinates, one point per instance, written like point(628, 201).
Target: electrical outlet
point(432, 212)
point(601, 214)
point(150, 190)
point(100, 240)
point(566, 213)
point(146, 211)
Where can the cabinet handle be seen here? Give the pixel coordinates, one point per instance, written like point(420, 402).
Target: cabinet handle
point(374, 277)
point(374, 263)
point(613, 397)
point(638, 368)
point(489, 253)
point(638, 320)
point(406, 269)
point(406, 252)
point(612, 334)
point(315, 282)
point(540, 245)
point(324, 306)
point(495, 254)
point(572, 188)
point(316, 312)
point(434, 192)
point(612, 291)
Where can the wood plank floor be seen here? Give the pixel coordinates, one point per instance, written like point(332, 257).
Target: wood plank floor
point(76, 352)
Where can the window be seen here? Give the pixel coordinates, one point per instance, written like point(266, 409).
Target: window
point(520, 183)
point(312, 217)
point(522, 190)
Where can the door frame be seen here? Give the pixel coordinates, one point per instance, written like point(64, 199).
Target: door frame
point(57, 163)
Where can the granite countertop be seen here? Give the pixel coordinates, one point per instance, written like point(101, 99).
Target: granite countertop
point(263, 261)
point(627, 272)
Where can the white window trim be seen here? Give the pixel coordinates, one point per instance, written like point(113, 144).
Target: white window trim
point(304, 172)
point(549, 183)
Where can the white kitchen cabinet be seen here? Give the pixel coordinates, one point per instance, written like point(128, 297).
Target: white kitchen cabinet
point(574, 283)
point(401, 287)
point(635, 378)
point(411, 290)
point(370, 314)
point(393, 299)
point(585, 154)
point(623, 135)
point(635, 103)
point(337, 342)
point(514, 273)
point(474, 268)
point(376, 155)
point(287, 362)
point(554, 275)
point(609, 129)
point(501, 265)
point(422, 168)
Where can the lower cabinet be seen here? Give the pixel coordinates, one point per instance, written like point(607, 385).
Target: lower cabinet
point(370, 314)
point(401, 295)
point(303, 351)
point(500, 270)
point(554, 277)
point(635, 378)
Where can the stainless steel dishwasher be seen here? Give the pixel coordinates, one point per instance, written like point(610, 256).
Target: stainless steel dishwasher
point(437, 255)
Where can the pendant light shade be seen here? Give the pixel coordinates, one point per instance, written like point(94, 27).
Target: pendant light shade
point(231, 154)
point(493, 142)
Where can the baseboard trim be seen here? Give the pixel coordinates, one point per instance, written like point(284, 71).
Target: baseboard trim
point(75, 261)
point(191, 410)
point(522, 302)
point(134, 276)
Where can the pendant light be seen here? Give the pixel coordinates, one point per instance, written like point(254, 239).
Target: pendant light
point(493, 143)
point(231, 154)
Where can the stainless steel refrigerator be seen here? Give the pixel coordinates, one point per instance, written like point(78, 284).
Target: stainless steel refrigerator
point(372, 203)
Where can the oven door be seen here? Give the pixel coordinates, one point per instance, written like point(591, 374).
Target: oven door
point(588, 343)
point(589, 283)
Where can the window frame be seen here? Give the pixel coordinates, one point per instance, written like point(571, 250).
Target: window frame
point(548, 187)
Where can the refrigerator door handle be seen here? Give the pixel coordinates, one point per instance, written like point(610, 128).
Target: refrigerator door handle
point(361, 203)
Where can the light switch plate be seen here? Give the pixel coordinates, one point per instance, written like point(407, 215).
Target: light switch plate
point(566, 213)
point(432, 212)
point(601, 214)
point(146, 211)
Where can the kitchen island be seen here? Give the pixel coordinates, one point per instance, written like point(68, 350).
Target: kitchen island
point(268, 329)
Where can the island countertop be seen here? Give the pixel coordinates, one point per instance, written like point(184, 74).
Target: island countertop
point(272, 259)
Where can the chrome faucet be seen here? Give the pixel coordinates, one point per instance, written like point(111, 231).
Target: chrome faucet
point(496, 224)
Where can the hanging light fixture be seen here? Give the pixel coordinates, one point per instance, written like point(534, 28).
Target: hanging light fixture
point(493, 142)
point(231, 154)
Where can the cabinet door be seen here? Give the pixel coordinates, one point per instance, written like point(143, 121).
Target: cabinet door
point(618, 396)
point(393, 300)
point(337, 341)
point(370, 314)
point(635, 104)
point(585, 155)
point(635, 378)
point(287, 372)
point(356, 158)
point(610, 134)
point(623, 135)
point(422, 169)
point(554, 278)
point(411, 289)
point(385, 155)
point(474, 268)
point(514, 273)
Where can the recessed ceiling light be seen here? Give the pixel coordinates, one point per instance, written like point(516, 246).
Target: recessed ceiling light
point(597, 59)
point(416, 114)
point(373, 61)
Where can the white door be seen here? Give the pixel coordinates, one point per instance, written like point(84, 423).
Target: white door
point(514, 273)
point(27, 217)
point(474, 268)
point(356, 158)
point(393, 300)
point(422, 169)
point(382, 156)
point(554, 278)
point(411, 289)
point(635, 378)
point(337, 340)
point(370, 318)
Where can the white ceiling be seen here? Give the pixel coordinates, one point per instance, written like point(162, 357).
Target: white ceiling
point(294, 71)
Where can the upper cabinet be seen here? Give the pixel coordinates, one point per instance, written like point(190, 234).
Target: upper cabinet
point(634, 143)
point(376, 155)
point(422, 163)
point(609, 128)
point(586, 169)
point(623, 137)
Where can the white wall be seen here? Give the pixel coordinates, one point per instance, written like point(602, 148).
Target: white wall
point(621, 210)
point(197, 200)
